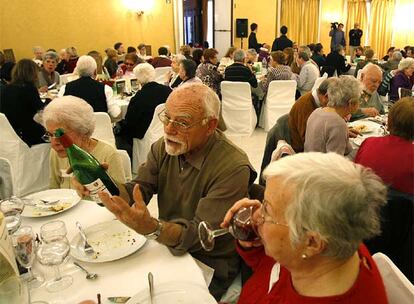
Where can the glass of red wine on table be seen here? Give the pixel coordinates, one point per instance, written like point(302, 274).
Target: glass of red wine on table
point(242, 227)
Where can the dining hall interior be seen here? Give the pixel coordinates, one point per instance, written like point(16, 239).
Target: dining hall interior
point(206, 151)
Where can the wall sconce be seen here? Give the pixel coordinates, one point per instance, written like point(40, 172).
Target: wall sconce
point(139, 6)
point(139, 13)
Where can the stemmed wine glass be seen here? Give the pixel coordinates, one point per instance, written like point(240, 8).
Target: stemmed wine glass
point(12, 209)
point(53, 251)
point(24, 245)
point(242, 227)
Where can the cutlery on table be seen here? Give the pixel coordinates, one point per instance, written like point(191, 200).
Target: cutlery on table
point(87, 248)
point(151, 286)
point(89, 275)
point(49, 202)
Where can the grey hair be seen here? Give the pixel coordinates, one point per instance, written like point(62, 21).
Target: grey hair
point(251, 52)
point(72, 51)
point(144, 72)
point(332, 196)
point(179, 57)
point(339, 48)
point(51, 55)
point(85, 66)
point(370, 66)
point(37, 48)
point(405, 63)
point(71, 112)
point(323, 87)
point(306, 49)
point(239, 55)
point(397, 55)
point(344, 90)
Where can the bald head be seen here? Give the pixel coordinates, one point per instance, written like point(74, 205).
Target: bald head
point(371, 77)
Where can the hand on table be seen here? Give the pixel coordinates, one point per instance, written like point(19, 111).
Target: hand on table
point(245, 202)
point(137, 216)
point(372, 112)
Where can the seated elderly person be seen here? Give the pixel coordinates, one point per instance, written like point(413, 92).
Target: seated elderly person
point(38, 55)
point(97, 94)
point(110, 63)
point(187, 72)
point(310, 248)
point(370, 104)
point(227, 59)
point(239, 71)
point(369, 58)
point(141, 107)
point(198, 174)
point(392, 63)
point(403, 78)
point(173, 78)
point(72, 59)
point(277, 70)
point(335, 61)
point(75, 116)
point(308, 74)
point(47, 74)
point(207, 70)
point(162, 60)
point(251, 56)
point(20, 102)
point(392, 156)
point(326, 129)
point(130, 62)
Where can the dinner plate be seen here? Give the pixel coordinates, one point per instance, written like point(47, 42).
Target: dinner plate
point(67, 199)
point(182, 292)
point(366, 129)
point(110, 240)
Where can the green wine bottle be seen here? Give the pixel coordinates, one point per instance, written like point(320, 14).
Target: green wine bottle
point(87, 169)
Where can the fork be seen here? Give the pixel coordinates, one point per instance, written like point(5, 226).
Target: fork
point(87, 248)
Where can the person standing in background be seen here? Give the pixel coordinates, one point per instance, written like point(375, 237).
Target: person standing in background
point(354, 39)
point(283, 41)
point(253, 44)
point(337, 34)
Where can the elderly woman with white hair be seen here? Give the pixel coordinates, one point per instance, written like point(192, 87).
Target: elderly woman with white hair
point(173, 78)
point(326, 129)
point(75, 116)
point(97, 94)
point(141, 107)
point(403, 78)
point(47, 74)
point(317, 210)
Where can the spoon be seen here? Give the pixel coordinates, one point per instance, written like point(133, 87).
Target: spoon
point(89, 276)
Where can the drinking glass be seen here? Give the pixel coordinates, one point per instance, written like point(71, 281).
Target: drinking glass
point(12, 209)
point(24, 246)
point(53, 251)
point(14, 290)
point(242, 227)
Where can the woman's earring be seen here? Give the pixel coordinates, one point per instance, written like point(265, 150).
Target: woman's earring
point(304, 256)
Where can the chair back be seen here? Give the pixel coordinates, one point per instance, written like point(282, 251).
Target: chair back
point(103, 128)
point(160, 74)
point(29, 165)
point(237, 108)
point(318, 81)
point(398, 288)
point(6, 178)
point(141, 147)
point(359, 74)
point(279, 100)
point(126, 164)
point(65, 78)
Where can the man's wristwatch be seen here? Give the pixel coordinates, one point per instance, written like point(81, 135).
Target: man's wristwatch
point(154, 235)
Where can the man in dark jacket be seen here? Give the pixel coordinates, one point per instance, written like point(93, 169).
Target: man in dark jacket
point(354, 39)
point(253, 44)
point(283, 41)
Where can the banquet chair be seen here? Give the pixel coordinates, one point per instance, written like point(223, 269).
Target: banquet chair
point(160, 74)
point(237, 108)
point(6, 178)
point(279, 100)
point(65, 78)
point(126, 164)
point(398, 288)
point(141, 147)
point(103, 128)
point(359, 74)
point(318, 81)
point(29, 165)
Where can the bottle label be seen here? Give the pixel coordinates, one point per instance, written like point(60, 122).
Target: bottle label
point(95, 187)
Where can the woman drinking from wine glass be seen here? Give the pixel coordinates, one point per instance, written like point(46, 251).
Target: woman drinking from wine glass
point(76, 117)
point(317, 210)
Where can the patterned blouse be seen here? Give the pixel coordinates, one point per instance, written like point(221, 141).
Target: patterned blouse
point(209, 75)
point(280, 72)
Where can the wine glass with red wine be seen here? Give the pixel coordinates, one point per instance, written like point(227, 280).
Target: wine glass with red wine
point(242, 227)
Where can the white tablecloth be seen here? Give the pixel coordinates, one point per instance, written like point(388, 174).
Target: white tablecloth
point(124, 277)
point(123, 104)
point(373, 127)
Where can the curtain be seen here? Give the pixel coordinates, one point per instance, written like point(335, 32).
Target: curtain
point(301, 18)
point(204, 20)
point(357, 12)
point(382, 12)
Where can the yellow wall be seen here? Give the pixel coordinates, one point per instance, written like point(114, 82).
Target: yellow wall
point(403, 24)
point(331, 11)
point(85, 24)
point(263, 13)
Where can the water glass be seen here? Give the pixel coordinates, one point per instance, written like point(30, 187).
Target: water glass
point(14, 290)
point(12, 209)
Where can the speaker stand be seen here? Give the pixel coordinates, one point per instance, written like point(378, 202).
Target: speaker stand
point(241, 42)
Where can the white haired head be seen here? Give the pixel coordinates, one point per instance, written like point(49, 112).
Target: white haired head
point(144, 72)
point(406, 63)
point(343, 91)
point(85, 66)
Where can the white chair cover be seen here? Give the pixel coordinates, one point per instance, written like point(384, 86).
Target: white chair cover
point(237, 108)
point(279, 100)
point(103, 128)
point(6, 178)
point(318, 81)
point(160, 74)
point(359, 74)
point(398, 288)
point(65, 78)
point(141, 147)
point(29, 166)
point(126, 164)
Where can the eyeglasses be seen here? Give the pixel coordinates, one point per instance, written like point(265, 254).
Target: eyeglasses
point(179, 125)
point(265, 217)
point(47, 137)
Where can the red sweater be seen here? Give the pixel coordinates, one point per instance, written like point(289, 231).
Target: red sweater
point(392, 158)
point(368, 288)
